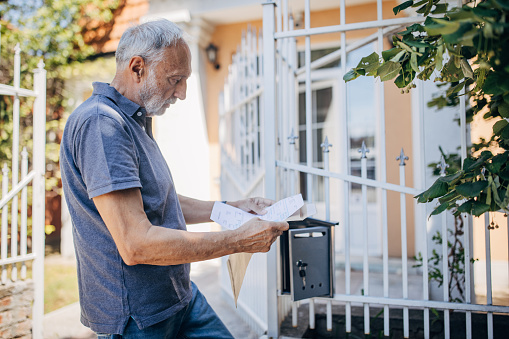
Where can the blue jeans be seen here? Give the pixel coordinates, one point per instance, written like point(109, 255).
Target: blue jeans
point(196, 320)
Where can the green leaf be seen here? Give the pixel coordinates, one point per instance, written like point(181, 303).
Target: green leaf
point(471, 189)
point(449, 196)
point(398, 56)
point(422, 2)
point(455, 89)
point(466, 69)
point(405, 78)
point(405, 46)
point(499, 126)
point(466, 207)
point(425, 10)
point(440, 208)
point(391, 53)
point(440, 9)
point(492, 84)
point(479, 208)
point(502, 3)
point(503, 109)
point(403, 6)
point(350, 75)
point(504, 174)
point(485, 12)
point(412, 28)
point(421, 198)
point(369, 63)
point(504, 204)
point(497, 162)
point(415, 43)
point(452, 178)
point(441, 27)
point(413, 62)
point(388, 70)
point(505, 133)
point(464, 35)
point(438, 189)
point(471, 164)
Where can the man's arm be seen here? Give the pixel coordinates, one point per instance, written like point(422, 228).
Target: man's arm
point(140, 242)
point(196, 211)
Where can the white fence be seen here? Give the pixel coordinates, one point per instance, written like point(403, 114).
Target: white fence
point(240, 118)
point(276, 140)
point(17, 246)
point(242, 166)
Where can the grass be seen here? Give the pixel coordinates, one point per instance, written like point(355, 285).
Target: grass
point(60, 283)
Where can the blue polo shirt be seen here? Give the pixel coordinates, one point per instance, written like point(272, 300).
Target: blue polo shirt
point(106, 147)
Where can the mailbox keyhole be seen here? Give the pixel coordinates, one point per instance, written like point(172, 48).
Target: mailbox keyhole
point(302, 272)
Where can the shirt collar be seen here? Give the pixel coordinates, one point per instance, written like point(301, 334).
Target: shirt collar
point(126, 105)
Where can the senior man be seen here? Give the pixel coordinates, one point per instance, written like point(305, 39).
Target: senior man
point(129, 224)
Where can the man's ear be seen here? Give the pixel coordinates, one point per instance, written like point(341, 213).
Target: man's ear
point(137, 68)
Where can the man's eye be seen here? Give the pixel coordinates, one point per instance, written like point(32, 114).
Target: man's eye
point(174, 81)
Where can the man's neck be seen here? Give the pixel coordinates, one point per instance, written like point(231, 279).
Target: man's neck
point(124, 87)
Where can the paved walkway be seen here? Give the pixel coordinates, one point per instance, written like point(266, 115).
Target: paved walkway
point(65, 323)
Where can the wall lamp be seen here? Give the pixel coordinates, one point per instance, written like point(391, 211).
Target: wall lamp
point(211, 51)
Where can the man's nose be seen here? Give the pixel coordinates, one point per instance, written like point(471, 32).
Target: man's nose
point(180, 91)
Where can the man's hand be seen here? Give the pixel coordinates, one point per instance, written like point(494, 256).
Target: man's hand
point(257, 235)
point(252, 205)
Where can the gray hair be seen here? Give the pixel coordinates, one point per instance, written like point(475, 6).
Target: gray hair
point(148, 40)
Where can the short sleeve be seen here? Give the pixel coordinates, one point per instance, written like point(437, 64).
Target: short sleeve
point(106, 156)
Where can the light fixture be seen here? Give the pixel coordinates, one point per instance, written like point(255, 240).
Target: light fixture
point(211, 51)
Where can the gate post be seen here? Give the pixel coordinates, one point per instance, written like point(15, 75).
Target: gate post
point(269, 140)
point(38, 201)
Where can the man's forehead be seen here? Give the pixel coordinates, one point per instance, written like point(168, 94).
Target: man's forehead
point(178, 59)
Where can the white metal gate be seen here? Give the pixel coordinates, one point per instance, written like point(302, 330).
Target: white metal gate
point(279, 138)
point(15, 247)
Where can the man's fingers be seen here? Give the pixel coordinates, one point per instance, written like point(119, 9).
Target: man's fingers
point(264, 202)
point(282, 225)
point(259, 204)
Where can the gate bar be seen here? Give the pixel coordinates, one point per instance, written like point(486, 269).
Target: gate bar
point(418, 304)
point(489, 296)
point(349, 27)
point(38, 199)
point(345, 168)
point(5, 225)
point(15, 161)
point(24, 213)
point(365, 257)
point(269, 100)
point(404, 255)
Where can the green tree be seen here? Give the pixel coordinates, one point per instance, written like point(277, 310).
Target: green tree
point(56, 31)
point(468, 48)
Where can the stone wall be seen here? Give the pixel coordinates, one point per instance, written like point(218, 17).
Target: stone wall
point(16, 300)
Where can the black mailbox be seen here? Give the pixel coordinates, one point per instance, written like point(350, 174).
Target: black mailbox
point(307, 253)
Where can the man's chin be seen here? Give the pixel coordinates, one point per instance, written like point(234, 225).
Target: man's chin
point(159, 112)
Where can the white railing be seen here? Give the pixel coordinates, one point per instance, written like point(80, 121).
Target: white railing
point(242, 168)
point(240, 117)
point(277, 35)
point(278, 119)
point(22, 247)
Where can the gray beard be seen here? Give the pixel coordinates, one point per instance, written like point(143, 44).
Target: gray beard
point(153, 103)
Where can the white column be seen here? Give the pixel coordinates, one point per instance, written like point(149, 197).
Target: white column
point(269, 140)
point(38, 200)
